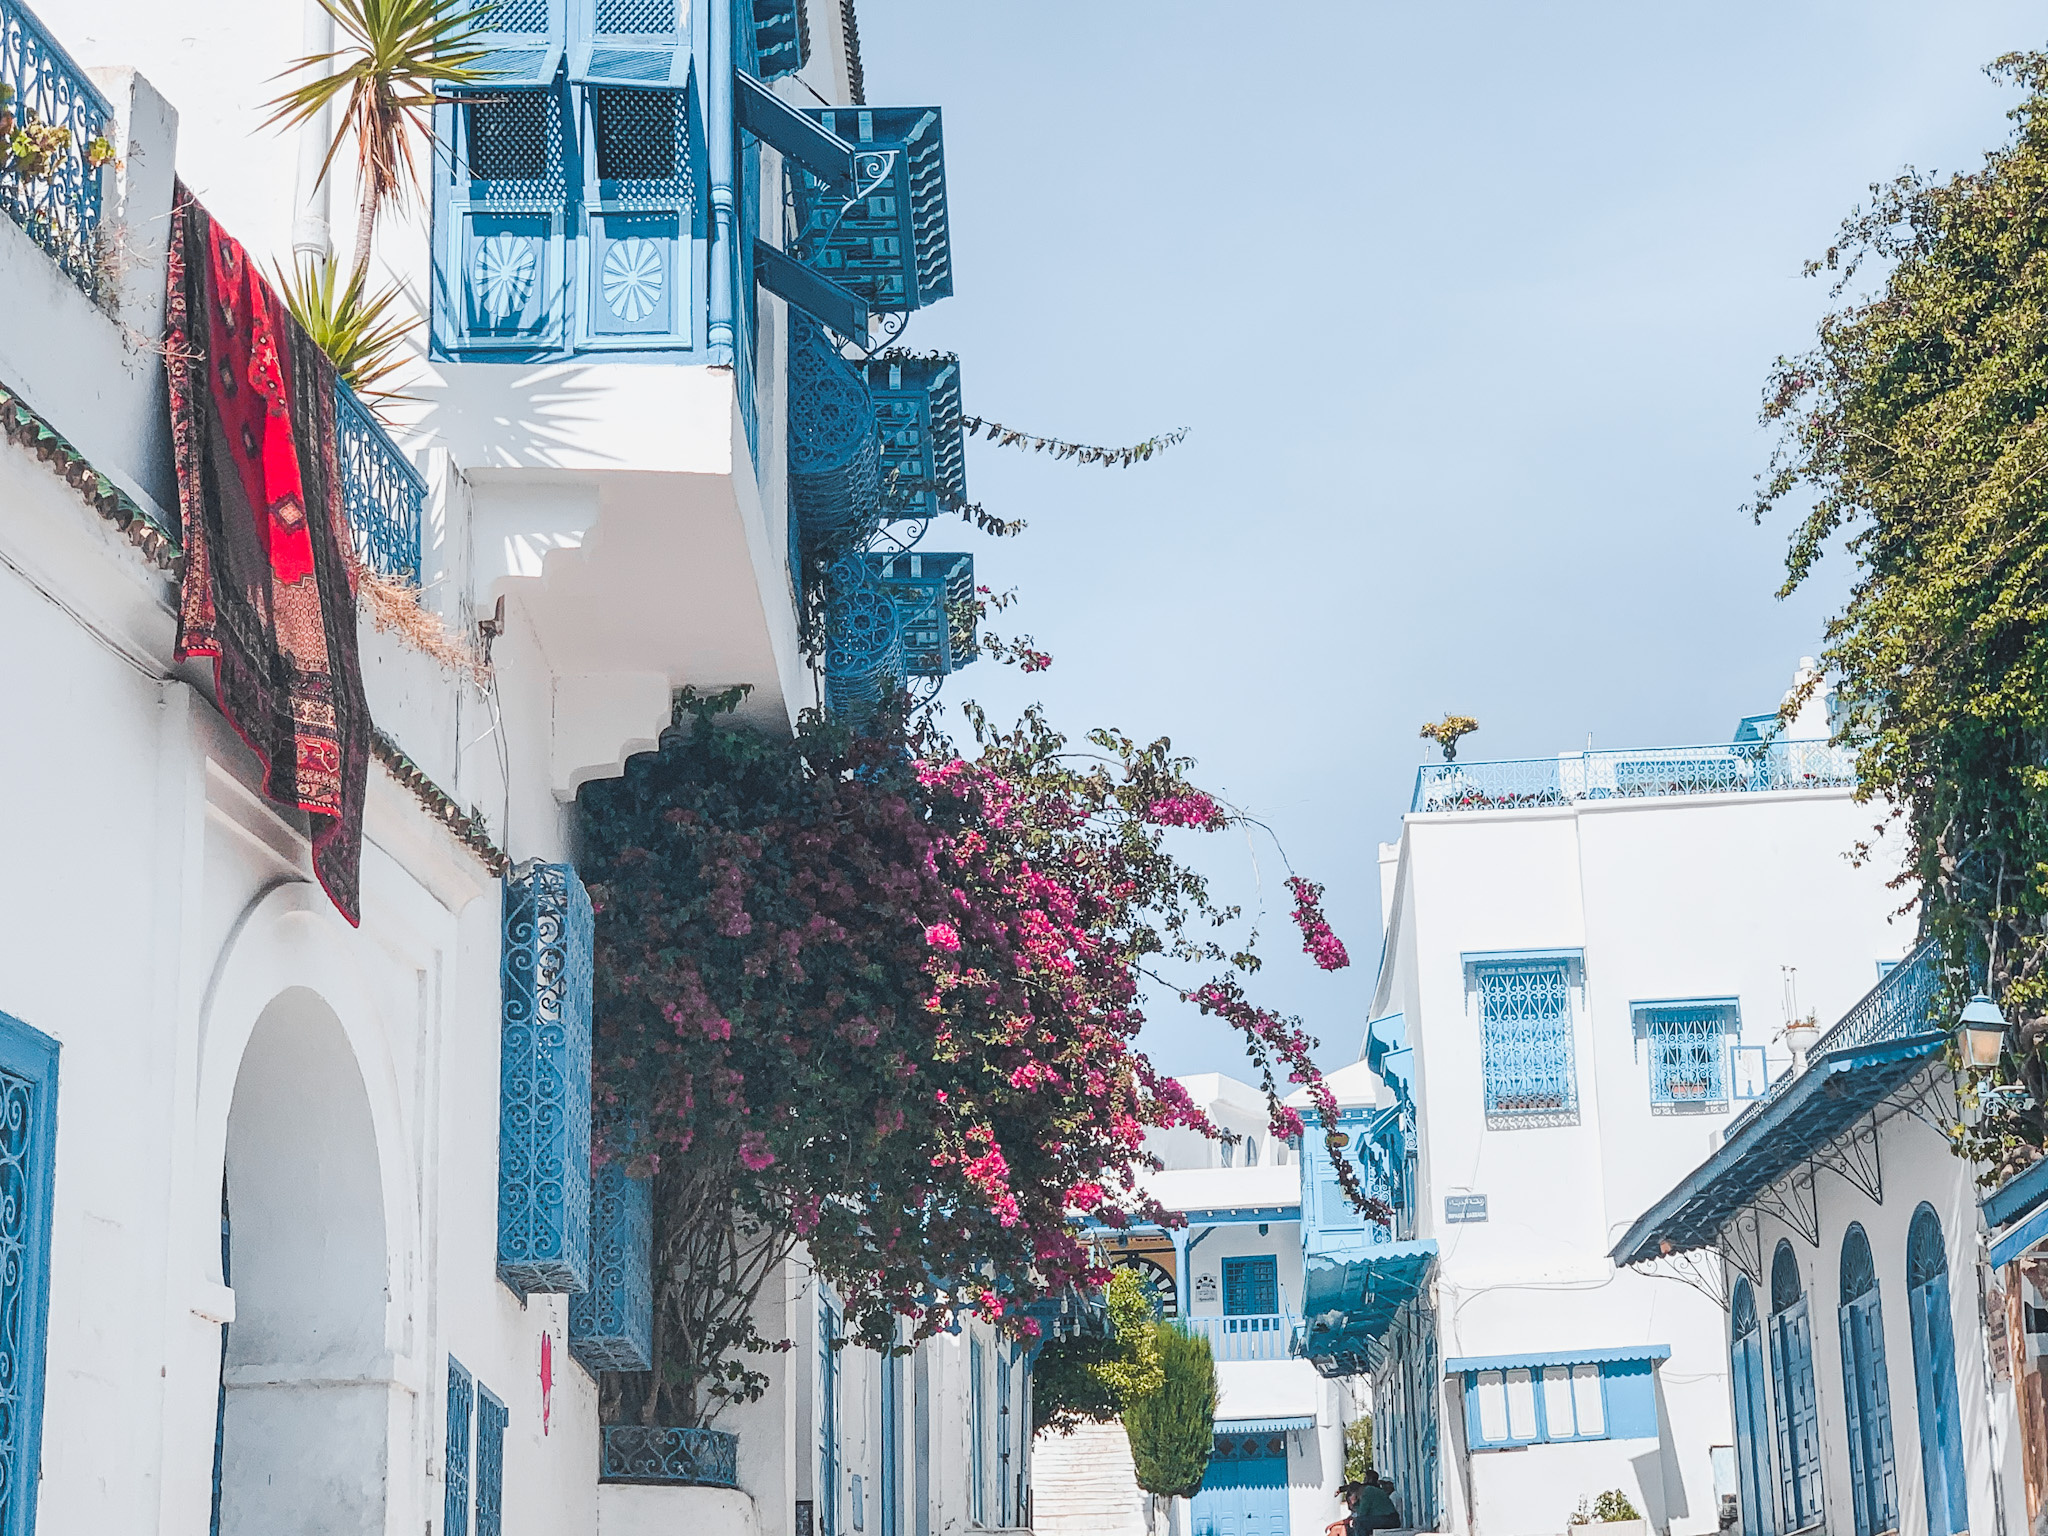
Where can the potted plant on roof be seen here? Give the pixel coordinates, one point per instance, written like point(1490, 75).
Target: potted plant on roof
point(1612, 1511)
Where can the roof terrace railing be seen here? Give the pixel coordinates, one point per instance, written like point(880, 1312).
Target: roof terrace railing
point(54, 143)
point(1902, 1004)
point(384, 494)
point(1632, 774)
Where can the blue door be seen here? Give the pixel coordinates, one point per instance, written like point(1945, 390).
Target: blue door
point(1752, 1413)
point(1934, 1376)
point(1244, 1492)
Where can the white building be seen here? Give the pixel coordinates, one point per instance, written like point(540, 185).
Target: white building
point(1587, 960)
point(258, 1277)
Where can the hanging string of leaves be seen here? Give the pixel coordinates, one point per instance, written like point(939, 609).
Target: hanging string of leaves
point(1059, 448)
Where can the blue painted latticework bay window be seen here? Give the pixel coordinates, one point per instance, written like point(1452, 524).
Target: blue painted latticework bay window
point(544, 1076)
point(1525, 1023)
point(924, 451)
point(28, 1150)
point(567, 215)
point(611, 1325)
point(890, 243)
point(782, 38)
point(1602, 1394)
point(1688, 1046)
point(932, 593)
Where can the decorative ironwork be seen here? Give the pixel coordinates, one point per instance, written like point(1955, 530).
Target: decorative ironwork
point(1795, 1202)
point(782, 37)
point(641, 1453)
point(611, 1326)
point(53, 191)
point(384, 494)
point(455, 1455)
point(1528, 783)
point(1526, 1036)
point(890, 241)
point(544, 1074)
point(863, 640)
point(924, 450)
point(491, 1419)
point(934, 596)
point(835, 474)
point(1688, 1044)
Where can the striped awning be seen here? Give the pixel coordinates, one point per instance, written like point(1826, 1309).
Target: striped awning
point(1264, 1426)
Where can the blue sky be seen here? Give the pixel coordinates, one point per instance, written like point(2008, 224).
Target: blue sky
point(1467, 309)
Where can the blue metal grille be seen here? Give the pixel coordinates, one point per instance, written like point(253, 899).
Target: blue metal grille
point(384, 494)
point(491, 1419)
point(933, 594)
point(1528, 783)
point(28, 1105)
point(890, 243)
point(835, 475)
point(544, 1074)
point(1526, 1032)
point(57, 200)
point(924, 450)
point(455, 1461)
point(611, 1326)
point(863, 639)
point(639, 1453)
point(1688, 1047)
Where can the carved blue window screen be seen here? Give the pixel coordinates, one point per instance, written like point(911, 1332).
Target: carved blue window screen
point(1525, 1018)
point(889, 242)
point(924, 451)
point(60, 208)
point(629, 42)
point(28, 1148)
point(544, 1078)
point(491, 1419)
point(507, 162)
point(1687, 1044)
point(782, 37)
point(384, 494)
point(611, 1326)
point(1251, 1287)
point(523, 42)
point(455, 1460)
point(637, 239)
point(934, 621)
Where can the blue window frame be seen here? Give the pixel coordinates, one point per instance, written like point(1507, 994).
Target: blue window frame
point(1251, 1287)
point(1687, 1044)
point(828, 1419)
point(1752, 1413)
point(1873, 1477)
point(455, 1457)
point(1797, 1409)
point(1547, 1401)
point(1525, 1020)
point(491, 1419)
point(28, 1149)
point(1934, 1376)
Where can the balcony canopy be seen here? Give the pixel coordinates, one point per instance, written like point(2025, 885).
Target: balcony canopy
point(1350, 1297)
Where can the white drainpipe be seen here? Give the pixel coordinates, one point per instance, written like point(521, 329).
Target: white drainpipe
point(312, 229)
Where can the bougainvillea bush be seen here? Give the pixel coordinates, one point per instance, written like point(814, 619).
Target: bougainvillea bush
point(880, 996)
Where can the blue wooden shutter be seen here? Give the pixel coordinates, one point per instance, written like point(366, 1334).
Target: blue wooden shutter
point(1628, 1391)
point(977, 1434)
point(523, 40)
point(455, 1457)
point(640, 207)
point(28, 1150)
point(1872, 1475)
point(629, 42)
point(828, 1421)
point(1251, 1287)
point(544, 1082)
point(506, 164)
point(491, 1419)
point(611, 1325)
point(1934, 1376)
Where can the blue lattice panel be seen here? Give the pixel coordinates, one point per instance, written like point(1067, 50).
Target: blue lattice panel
point(931, 592)
point(384, 494)
point(611, 1325)
point(544, 1082)
point(890, 243)
point(835, 475)
point(924, 452)
point(782, 41)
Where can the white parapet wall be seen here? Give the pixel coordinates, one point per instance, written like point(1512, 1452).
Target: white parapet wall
point(629, 1509)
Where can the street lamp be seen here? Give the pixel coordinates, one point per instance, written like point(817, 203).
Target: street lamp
point(1980, 1033)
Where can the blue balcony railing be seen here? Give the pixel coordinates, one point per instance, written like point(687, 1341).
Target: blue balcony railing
point(1641, 773)
point(384, 494)
point(52, 111)
point(1261, 1336)
point(641, 1453)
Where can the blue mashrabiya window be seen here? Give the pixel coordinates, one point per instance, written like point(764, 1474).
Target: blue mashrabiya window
point(1525, 1028)
point(1687, 1046)
point(1547, 1399)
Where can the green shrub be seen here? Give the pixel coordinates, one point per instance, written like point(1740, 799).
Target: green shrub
point(1611, 1505)
point(1171, 1430)
point(1357, 1448)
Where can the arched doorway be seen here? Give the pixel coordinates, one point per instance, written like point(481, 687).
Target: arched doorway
point(306, 1403)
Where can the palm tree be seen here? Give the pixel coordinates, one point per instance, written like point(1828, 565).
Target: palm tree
point(398, 52)
point(363, 333)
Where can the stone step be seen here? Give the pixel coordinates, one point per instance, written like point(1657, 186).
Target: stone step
point(1083, 1484)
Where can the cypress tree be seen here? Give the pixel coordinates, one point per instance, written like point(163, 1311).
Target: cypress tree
point(1171, 1430)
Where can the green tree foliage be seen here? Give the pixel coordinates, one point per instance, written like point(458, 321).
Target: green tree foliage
point(1135, 1372)
point(1095, 1379)
point(1914, 433)
point(1171, 1430)
point(1358, 1448)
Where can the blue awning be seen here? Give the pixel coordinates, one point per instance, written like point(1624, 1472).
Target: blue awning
point(2017, 1195)
point(1834, 1092)
point(1556, 1357)
point(1264, 1426)
point(1350, 1295)
point(2018, 1238)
